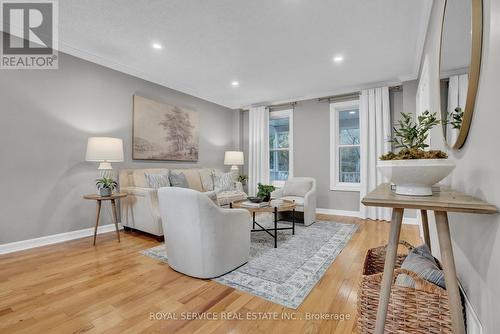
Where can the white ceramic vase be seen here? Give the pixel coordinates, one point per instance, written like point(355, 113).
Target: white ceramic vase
point(415, 176)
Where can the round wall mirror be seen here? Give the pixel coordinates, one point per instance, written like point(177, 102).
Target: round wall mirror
point(461, 42)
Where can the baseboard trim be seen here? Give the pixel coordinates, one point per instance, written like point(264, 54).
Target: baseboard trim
point(54, 239)
point(357, 214)
point(338, 212)
point(474, 326)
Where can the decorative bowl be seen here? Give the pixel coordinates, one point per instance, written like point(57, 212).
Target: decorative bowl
point(255, 199)
point(415, 177)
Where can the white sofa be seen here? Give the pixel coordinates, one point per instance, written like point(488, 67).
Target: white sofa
point(302, 190)
point(202, 239)
point(140, 210)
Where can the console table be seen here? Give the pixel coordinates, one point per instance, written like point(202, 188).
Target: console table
point(441, 203)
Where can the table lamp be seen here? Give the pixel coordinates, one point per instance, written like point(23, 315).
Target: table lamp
point(233, 159)
point(104, 150)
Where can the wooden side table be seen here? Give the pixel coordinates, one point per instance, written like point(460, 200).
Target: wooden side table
point(99, 200)
point(441, 203)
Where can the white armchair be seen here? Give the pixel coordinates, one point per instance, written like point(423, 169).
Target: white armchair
point(202, 239)
point(302, 190)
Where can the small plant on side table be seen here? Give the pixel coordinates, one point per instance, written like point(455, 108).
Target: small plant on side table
point(106, 186)
point(243, 179)
point(264, 191)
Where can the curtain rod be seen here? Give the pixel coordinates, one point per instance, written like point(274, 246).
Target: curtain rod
point(346, 96)
point(353, 95)
point(274, 106)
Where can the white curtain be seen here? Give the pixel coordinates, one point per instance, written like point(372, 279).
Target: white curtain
point(375, 125)
point(258, 138)
point(457, 95)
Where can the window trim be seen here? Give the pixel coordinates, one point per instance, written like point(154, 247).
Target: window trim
point(282, 114)
point(335, 108)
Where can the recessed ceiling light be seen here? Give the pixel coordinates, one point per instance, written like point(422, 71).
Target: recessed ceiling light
point(338, 59)
point(235, 83)
point(157, 46)
point(352, 112)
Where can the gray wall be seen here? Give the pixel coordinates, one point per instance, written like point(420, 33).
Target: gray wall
point(311, 144)
point(476, 238)
point(311, 141)
point(46, 118)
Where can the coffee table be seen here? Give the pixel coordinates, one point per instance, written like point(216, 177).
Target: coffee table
point(274, 207)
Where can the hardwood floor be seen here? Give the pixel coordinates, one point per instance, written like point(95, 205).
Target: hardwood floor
point(73, 287)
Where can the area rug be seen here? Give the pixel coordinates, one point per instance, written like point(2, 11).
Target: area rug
point(287, 274)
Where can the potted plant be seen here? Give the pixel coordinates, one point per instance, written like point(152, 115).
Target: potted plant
point(264, 191)
point(243, 179)
point(106, 186)
point(414, 170)
point(455, 118)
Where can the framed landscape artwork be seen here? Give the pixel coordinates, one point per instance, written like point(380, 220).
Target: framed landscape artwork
point(164, 132)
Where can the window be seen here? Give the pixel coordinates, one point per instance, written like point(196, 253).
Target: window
point(280, 146)
point(345, 146)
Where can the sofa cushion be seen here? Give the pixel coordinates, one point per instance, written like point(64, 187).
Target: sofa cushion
point(178, 180)
point(297, 187)
point(192, 177)
point(157, 181)
point(213, 196)
point(207, 179)
point(139, 176)
point(224, 182)
point(422, 263)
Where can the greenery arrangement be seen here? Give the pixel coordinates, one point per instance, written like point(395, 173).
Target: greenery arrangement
point(264, 191)
point(106, 183)
point(243, 179)
point(455, 118)
point(411, 138)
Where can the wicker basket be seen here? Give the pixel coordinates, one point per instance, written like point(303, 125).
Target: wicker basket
point(421, 310)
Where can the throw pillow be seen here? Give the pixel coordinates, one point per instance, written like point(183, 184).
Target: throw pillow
point(224, 182)
point(157, 180)
point(213, 196)
point(422, 263)
point(207, 179)
point(178, 180)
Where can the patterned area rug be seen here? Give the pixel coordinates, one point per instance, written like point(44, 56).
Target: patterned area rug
point(287, 274)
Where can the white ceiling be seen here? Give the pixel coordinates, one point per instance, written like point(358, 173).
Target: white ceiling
point(278, 50)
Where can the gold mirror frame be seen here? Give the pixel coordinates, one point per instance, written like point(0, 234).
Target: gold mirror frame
point(474, 69)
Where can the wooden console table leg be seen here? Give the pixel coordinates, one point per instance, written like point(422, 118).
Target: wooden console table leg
point(115, 219)
point(450, 274)
point(425, 228)
point(97, 219)
point(390, 263)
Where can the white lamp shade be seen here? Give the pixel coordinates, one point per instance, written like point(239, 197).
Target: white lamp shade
point(233, 158)
point(104, 149)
